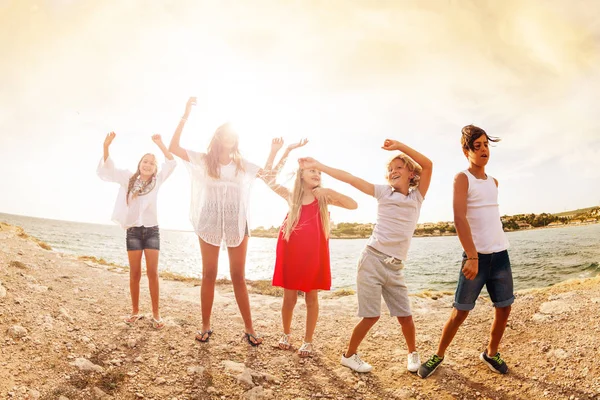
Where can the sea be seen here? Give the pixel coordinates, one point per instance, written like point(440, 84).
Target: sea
point(539, 257)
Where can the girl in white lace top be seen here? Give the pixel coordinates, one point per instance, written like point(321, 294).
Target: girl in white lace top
point(221, 183)
point(135, 211)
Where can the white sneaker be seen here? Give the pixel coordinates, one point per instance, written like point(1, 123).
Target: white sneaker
point(414, 362)
point(355, 363)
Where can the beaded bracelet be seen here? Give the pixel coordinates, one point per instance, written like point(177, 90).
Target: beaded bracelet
point(473, 258)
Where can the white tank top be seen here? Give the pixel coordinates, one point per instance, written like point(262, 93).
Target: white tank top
point(483, 215)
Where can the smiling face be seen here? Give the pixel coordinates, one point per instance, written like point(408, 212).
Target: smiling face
point(311, 178)
point(398, 174)
point(147, 166)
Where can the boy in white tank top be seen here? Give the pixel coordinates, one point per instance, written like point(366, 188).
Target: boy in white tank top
point(485, 258)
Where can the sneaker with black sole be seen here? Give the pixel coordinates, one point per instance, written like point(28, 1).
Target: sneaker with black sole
point(494, 363)
point(429, 367)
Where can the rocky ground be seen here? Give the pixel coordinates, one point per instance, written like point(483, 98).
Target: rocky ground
point(61, 337)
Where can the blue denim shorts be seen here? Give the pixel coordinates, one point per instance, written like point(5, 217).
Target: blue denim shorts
point(141, 237)
point(495, 273)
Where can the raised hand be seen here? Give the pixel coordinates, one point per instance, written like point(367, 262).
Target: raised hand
point(276, 144)
point(109, 138)
point(293, 146)
point(308, 163)
point(390, 144)
point(157, 139)
point(188, 106)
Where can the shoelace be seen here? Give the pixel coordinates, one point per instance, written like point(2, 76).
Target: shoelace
point(498, 359)
point(413, 357)
point(433, 360)
point(357, 359)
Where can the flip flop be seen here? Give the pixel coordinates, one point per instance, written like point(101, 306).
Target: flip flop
point(200, 336)
point(249, 338)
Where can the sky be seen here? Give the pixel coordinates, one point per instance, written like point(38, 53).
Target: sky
point(345, 74)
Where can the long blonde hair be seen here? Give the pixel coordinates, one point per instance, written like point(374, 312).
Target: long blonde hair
point(137, 174)
point(295, 203)
point(214, 149)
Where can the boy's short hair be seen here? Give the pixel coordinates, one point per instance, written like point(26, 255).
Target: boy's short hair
point(412, 167)
point(471, 133)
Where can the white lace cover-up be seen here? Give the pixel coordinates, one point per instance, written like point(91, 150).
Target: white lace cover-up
point(219, 207)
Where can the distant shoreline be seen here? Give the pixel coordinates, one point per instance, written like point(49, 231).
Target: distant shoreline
point(269, 235)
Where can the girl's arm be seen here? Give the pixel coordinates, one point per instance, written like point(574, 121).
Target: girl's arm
point(106, 168)
point(158, 140)
point(174, 146)
point(269, 177)
point(360, 184)
point(425, 163)
point(107, 141)
point(335, 199)
point(287, 152)
point(276, 145)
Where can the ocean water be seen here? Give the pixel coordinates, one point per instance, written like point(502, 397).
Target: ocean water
point(539, 258)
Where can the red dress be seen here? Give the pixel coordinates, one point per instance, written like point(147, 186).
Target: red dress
point(303, 262)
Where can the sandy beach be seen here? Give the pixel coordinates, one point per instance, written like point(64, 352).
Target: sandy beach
point(61, 337)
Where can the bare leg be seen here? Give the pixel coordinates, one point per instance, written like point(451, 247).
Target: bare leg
point(312, 314)
point(135, 275)
point(210, 263)
point(498, 327)
point(237, 270)
point(358, 334)
point(450, 328)
point(151, 256)
point(290, 297)
point(408, 330)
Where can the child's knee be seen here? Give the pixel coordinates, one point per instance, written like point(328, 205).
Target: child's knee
point(312, 300)
point(459, 315)
point(370, 320)
point(406, 320)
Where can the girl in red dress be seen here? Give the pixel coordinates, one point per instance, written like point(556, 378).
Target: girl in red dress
point(303, 248)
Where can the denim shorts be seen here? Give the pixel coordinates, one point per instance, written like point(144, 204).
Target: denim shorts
point(495, 273)
point(141, 237)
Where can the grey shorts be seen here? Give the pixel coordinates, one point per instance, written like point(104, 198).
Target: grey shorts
point(380, 275)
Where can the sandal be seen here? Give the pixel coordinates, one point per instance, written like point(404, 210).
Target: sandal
point(132, 319)
point(253, 340)
point(200, 336)
point(284, 342)
point(305, 350)
point(158, 325)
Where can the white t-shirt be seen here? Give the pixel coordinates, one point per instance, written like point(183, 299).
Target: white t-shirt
point(483, 214)
point(397, 217)
point(141, 210)
point(219, 207)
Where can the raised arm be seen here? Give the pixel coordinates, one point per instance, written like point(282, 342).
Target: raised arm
point(463, 229)
point(158, 140)
point(287, 152)
point(174, 146)
point(340, 175)
point(276, 145)
point(107, 141)
point(335, 198)
point(425, 163)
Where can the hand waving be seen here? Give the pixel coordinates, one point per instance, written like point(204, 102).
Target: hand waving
point(301, 143)
point(188, 106)
point(157, 139)
point(276, 144)
point(109, 138)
